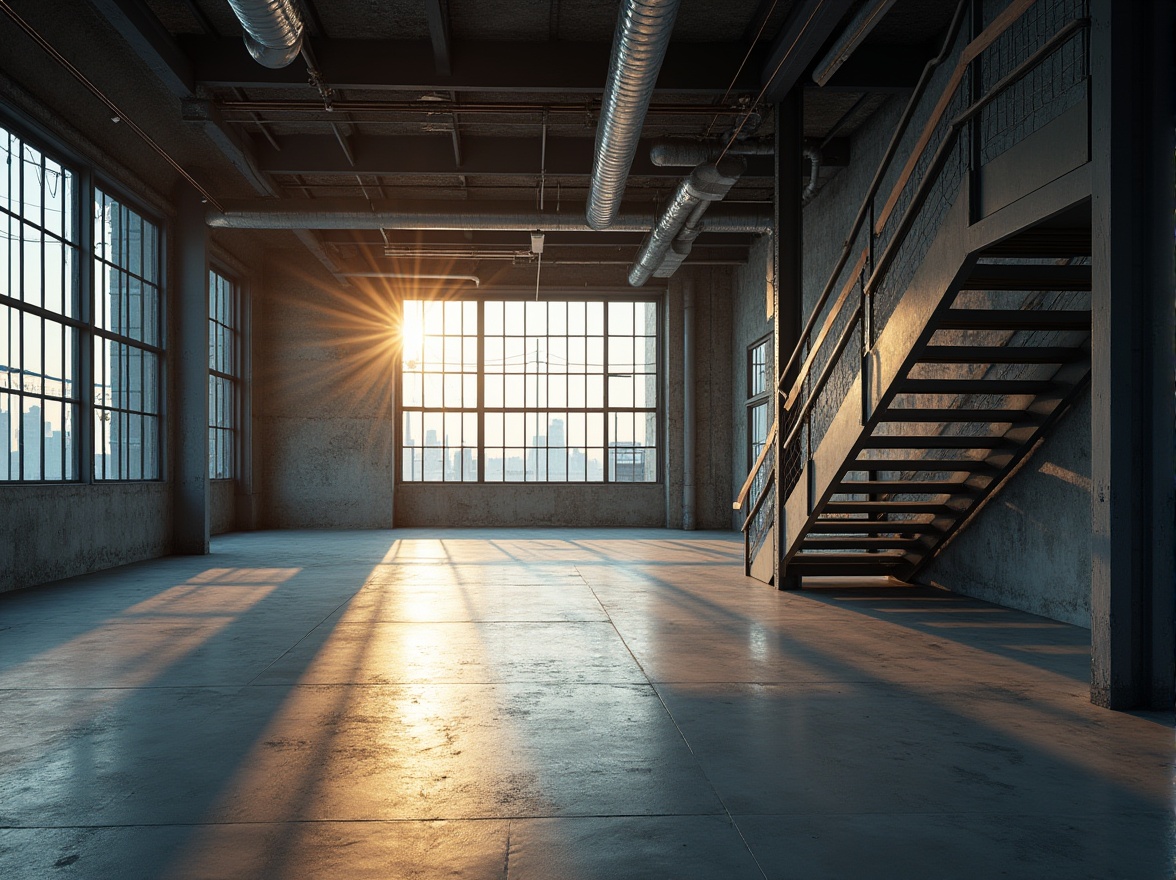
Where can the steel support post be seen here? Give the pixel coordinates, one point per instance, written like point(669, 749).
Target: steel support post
point(1132, 355)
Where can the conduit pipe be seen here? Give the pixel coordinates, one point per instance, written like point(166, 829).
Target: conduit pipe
point(688, 426)
point(639, 47)
point(441, 216)
point(273, 30)
point(415, 276)
point(674, 153)
point(706, 184)
point(814, 157)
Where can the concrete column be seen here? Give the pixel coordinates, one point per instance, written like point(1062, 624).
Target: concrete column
point(789, 244)
point(1132, 343)
point(190, 358)
point(689, 422)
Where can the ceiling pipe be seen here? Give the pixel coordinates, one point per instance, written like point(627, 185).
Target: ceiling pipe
point(706, 184)
point(814, 157)
point(674, 153)
point(639, 47)
point(273, 30)
point(753, 218)
point(416, 276)
point(853, 36)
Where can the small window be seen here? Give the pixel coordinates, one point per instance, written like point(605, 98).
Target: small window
point(759, 383)
point(224, 375)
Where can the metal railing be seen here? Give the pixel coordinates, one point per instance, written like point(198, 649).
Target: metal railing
point(974, 120)
point(889, 237)
point(760, 489)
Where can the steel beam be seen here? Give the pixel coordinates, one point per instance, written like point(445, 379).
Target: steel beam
point(401, 65)
point(438, 17)
point(151, 41)
point(808, 28)
point(1132, 597)
point(413, 155)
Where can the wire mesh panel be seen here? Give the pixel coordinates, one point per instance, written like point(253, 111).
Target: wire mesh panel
point(1045, 91)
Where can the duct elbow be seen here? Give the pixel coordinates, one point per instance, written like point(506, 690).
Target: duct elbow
point(273, 30)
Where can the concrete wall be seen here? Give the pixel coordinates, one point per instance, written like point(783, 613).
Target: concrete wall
point(750, 322)
point(587, 505)
point(323, 395)
point(53, 531)
point(1030, 547)
point(222, 506)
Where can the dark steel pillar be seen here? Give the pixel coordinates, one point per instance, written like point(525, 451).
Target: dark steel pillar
point(1132, 351)
point(789, 241)
point(190, 358)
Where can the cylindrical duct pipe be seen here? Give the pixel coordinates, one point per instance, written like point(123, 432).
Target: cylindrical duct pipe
point(639, 47)
point(706, 184)
point(810, 190)
point(434, 215)
point(273, 30)
point(688, 427)
point(677, 153)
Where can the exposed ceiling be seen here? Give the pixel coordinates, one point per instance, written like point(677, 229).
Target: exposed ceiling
point(476, 100)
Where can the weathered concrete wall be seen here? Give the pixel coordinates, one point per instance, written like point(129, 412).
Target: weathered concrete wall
point(589, 505)
point(750, 323)
point(222, 506)
point(1030, 547)
point(323, 374)
point(53, 531)
point(715, 462)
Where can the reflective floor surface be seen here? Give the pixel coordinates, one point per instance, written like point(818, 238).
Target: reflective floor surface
point(553, 705)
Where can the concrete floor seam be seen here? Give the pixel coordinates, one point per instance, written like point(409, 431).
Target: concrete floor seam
point(678, 728)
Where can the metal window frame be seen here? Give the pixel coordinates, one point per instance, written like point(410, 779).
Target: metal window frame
point(756, 399)
point(481, 409)
point(71, 291)
point(234, 374)
point(101, 184)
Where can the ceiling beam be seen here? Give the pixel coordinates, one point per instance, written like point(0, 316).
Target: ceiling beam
point(880, 69)
point(400, 65)
point(431, 154)
point(803, 36)
point(437, 15)
point(151, 42)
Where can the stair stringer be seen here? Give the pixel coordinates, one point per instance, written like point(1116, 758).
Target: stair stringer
point(948, 261)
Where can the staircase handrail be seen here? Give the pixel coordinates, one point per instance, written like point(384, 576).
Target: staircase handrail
point(747, 484)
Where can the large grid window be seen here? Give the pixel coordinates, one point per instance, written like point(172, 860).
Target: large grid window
point(224, 375)
point(39, 393)
point(759, 372)
point(127, 343)
point(529, 391)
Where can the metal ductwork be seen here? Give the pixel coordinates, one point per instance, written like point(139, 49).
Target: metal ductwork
point(810, 190)
point(273, 30)
point(681, 222)
point(639, 46)
point(435, 215)
point(679, 153)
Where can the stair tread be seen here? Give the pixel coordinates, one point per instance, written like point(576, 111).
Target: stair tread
point(956, 414)
point(870, 542)
point(957, 465)
point(889, 507)
point(1015, 319)
point(973, 386)
point(1000, 354)
point(842, 526)
point(1027, 276)
point(874, 487)
point(935, 441)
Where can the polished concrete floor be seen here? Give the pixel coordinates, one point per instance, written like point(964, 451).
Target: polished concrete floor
point(553, 705)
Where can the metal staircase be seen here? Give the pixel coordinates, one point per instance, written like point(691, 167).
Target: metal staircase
point(959, 336)
point(967, 406)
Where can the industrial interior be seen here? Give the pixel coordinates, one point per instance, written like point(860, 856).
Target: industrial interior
point(598, 439)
